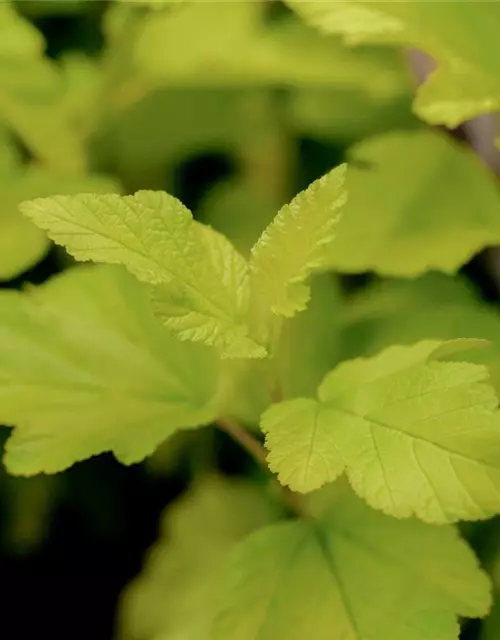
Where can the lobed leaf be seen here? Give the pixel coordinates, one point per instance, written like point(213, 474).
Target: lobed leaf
point(352, 574)
point(182, 570)
point(415, 434)
point(86, 368)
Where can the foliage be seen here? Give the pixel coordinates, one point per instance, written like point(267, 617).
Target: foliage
point(228, 304)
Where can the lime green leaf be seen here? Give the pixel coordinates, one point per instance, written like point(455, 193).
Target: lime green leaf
point(466, 82)
point(174, 595)
point(414, 434)
point(31, 95)
point(202, 282)
point(296, 244)
point(417, 201)
point(217, 316)
point(86, 368)
point(353, 574)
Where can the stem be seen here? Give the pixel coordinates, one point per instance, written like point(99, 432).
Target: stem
point(259, 453)
point(247, 441)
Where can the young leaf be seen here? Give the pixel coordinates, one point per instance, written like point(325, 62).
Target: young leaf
point(417, 201)
point(202, 283)
point(353, 574)
point(466, 82)
point(296, 244)
point(182, 569)
point(86, 368)
point(415, 434)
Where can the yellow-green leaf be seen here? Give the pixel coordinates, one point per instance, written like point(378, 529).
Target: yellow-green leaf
point(417, 201)
point(86, 368)
point(416, 434)
point(352, 574)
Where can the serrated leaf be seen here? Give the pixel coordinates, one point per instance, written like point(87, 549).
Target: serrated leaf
point(31, 95)
point(353, 574)
point(173, 597)
point(201, 283)
point(22, 244)
point(417, 201)
point(86, 368)
point(466, 82)
point(296, 244)
point(416, 435)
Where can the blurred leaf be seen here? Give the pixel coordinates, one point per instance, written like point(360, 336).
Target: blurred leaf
point(174, 595)
point(147, 141)
point(31, 93)
point(466, 82)
point(239, 211)
point(310, 342)
point(85, 368)
point(82, 78)
point(283, 53)
point(417, 201)
point(350, 573)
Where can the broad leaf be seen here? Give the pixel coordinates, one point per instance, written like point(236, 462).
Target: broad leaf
point(86, 368)
point(296, 244)
point(466, 82)
point(173, 597)
point(201, 291)
point(417, 201)
point(414, 434)
point(354, 574)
